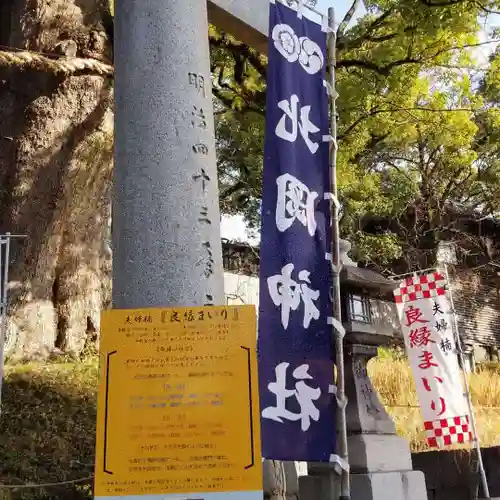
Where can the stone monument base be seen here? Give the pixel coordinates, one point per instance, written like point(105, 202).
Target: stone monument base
point(378, 453)
point(403, 485)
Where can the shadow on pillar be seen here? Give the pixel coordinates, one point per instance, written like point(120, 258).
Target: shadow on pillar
point(280, 480)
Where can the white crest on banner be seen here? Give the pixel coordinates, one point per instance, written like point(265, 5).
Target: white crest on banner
point(311, 58)
point(425, 316)
point(286, 42)
point(293, 48)
point(303, 393)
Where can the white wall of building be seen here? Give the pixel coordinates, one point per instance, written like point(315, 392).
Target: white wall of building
point(241, 290)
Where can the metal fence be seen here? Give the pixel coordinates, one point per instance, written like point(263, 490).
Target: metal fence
point(5, 248)
point(5, 240)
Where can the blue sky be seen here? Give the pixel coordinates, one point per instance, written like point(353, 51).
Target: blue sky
point(341, 6)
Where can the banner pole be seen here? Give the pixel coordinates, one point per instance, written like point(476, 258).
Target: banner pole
point(345, 493)
point(461, 357)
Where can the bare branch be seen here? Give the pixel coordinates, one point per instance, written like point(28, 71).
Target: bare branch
point(379, 21)
point(240, 49)
point(445, 3)
point(386, 69)
point(486, 9)
point(347, 18)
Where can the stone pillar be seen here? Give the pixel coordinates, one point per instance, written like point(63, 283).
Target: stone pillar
point(280, 480)
point(372, 433)
point(166, 234)
point(381, 466)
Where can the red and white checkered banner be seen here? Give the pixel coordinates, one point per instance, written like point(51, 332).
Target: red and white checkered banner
point(426, 321)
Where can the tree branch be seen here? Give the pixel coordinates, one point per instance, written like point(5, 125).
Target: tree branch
point(399, 169)
point(382, 70)
point(445, 3)
point(229, 191)
point(219, 94)
point(395, 110)
point(402, 158)
point(242, 50)
point(468, 46)
point(386, 69)
point(372, 144)
point(344, 44)
point(358, 42)
point(347, 18)
point(486, 9)
point(468, 68)
point(448, 3)
point(453, 184)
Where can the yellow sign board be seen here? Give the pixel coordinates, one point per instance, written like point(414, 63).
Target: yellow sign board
point(178, 402)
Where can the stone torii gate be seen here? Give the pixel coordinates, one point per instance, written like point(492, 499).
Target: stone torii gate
point(166, 220)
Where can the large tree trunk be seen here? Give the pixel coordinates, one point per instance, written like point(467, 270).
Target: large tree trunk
point(55, 171)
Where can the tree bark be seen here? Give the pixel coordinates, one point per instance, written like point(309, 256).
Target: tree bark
point(55, 171)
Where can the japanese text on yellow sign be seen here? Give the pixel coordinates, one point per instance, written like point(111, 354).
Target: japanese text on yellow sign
point(178, 402)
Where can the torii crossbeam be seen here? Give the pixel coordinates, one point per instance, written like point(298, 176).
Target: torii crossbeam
point(247, 19)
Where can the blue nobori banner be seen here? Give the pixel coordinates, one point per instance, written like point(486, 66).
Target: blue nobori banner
point(295, 338)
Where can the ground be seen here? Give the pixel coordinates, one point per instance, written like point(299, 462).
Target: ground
point(47, 426)
point(47, 429)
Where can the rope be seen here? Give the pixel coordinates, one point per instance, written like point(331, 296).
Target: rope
point(416, 406)
point(65, 65)
point(45, 485)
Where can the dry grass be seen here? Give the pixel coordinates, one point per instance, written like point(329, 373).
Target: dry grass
point(47, 429)
point(392, 378)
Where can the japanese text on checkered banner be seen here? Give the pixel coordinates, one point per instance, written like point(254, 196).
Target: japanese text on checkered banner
point(425, 317)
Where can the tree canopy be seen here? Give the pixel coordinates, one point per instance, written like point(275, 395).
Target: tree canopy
point(418, 126)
